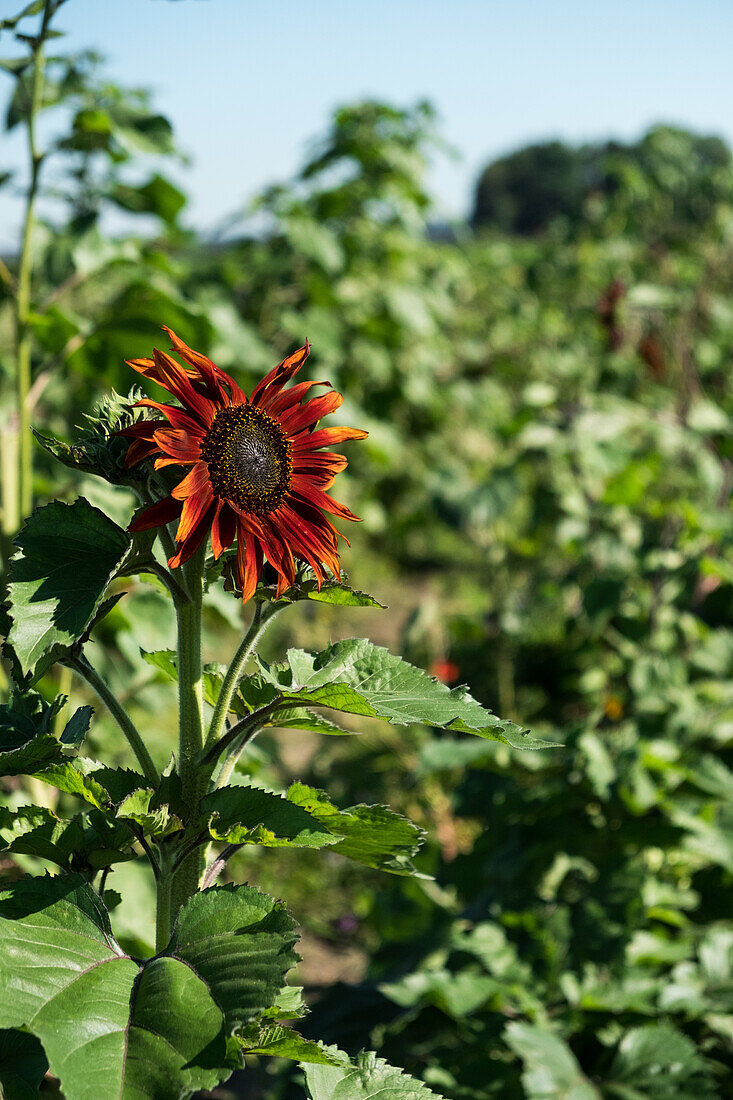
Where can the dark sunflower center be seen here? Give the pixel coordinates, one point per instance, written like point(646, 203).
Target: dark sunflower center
point(249, 458)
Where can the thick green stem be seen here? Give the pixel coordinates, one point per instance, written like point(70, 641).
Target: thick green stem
point(190, 676)
point(23, 295)
point(118, 712)
point(263, 616)
point(163, 922)
point(190, 720)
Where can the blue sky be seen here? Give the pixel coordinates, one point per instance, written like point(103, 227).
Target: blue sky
point(247, 83)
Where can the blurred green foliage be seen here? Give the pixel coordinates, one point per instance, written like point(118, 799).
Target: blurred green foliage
point(547, 487)
point(668, 184)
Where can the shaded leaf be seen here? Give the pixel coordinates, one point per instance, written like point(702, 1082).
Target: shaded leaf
point(67, 555)
point(86, 840)
point(26, 740)
point(23, 1065)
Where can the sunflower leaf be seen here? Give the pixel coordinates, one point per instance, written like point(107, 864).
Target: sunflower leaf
point(332, 592)
point(154, 819)
point(70, 983)
point(73, 777)
point(364, 1079)
point(23, 1065)
point(67, 555)
point(89, 839)
point(283, 1042)
point(372, 835)
point(250, 815)
point(26, 739)
point(357, 677)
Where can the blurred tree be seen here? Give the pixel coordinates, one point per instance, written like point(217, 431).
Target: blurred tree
point(670, 182)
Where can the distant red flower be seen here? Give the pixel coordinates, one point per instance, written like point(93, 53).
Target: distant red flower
point(445, 671)
point(257, 471)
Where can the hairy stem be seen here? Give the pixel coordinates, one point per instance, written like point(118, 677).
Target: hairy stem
point(82, 667)
point(163, 916)
point(190, 719)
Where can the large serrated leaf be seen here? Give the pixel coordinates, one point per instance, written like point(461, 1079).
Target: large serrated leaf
point(357, 677)
point(367, 1078)
point(250, 815)
point(67, 555)
point(372, 835)
point(137, 1030)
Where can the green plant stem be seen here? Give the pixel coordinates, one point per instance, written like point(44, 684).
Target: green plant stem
point(118, 712)
point(263, 616)
point(23, 296)
point(190, 720)
point(163, 921)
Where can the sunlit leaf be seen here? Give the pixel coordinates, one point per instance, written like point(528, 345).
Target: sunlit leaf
point(71, 984)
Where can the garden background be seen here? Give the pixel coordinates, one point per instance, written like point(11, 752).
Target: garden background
point(545, 495)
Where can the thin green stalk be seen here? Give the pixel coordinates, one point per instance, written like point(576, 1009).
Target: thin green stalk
point(23, 296)
point(118, 712)
point(242, 729)
point(234, 754)
point(263, 616)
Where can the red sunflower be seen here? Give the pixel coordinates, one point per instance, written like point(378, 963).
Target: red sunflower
point(258, 473)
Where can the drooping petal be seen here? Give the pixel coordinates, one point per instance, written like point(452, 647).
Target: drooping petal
point(223, 529)
point(143, 428)
point(178, 444)
point(156, 515)
point(194, 507)
point(176, 417)
point(249, 562)
point(194, 539)
point(138, 450)
point(196, 482)
point(315, 496)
